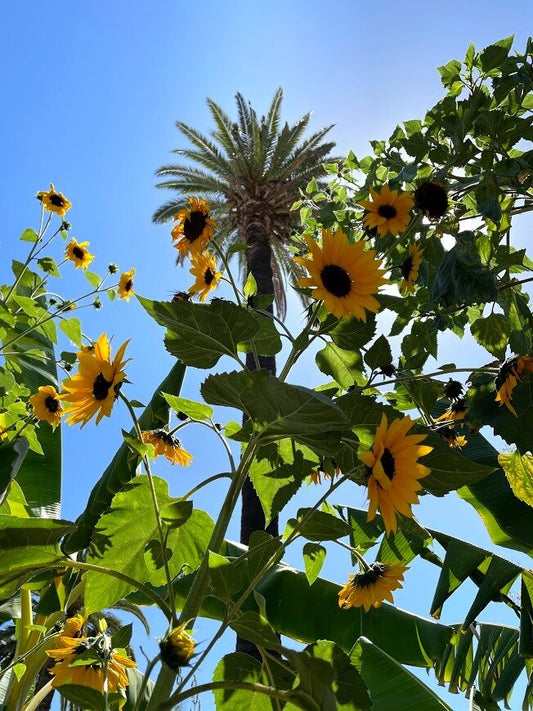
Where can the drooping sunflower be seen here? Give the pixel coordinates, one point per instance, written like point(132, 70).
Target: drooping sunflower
point(457, 411)
point(204, 268)
point(53, 201)
point(511, 373)
point(394, 470)
point(450, 436)
point(168, 446)
point(410, 268)
point(94, 388)
point(316, 476)
point(76, 252)
point(369, 588)
point(125, 285)
point(344, 275)
point(177, 648)
point(387, 211)
point(46, 405)
point(194, 228)
point(97, 652)
point(432, 199)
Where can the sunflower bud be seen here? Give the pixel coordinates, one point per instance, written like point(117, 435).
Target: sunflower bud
point(177, 648)
point(112, 268)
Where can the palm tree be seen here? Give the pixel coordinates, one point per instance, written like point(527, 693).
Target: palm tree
point(252, 172)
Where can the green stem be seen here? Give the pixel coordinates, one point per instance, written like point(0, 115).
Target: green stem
point(224, 261)
point(203, 483)
point(144, 682)
point(431, 375)
point(40, 696)
point(193, 603)
point(30, 256)
point(295, 350)
point(161, 533)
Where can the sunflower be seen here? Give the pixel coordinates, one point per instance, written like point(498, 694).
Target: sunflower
point(93, 390)
point(76, 252)
point(53, 201)
point(410, 268)
point(452, 439)
point(170, 447)
point(511, 373)
point(344, 275)
point(177, 648)
point(204, 268)
point(388, 211)
point(369, 588)
point(432, 199)
point(46, 405)
point(453, 389)
point(97, 655)
point(393, 470)
point(457, 411)
point(125, 285)
point(194, 228)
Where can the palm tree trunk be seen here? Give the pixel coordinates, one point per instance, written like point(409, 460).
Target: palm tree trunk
point(258, 261)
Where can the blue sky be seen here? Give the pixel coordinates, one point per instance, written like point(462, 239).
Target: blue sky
point(91, 92)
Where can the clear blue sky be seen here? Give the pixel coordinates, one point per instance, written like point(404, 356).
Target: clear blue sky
point(91, 92)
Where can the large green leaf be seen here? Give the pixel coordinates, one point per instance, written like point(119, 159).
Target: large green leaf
point(277, 473)
point(11, 457)
point(342, 365)
point(199, 334)
point(390, 685)
point(28, 545)
point(123, 466)
point(275, 408)
point(519, 472)
point(126, 539)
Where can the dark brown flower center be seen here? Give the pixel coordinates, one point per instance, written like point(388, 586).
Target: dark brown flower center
point(101, 387)
point(194, 225)
point(336, 280)
point(208, 276)
point(387, 462)
point(166, 438)
point(52, 404)
point(128, 286)
point(57, 200)
point(432, 199)
point(370, 576)
point(387, 211)
point(406, 267)
point(78, 252)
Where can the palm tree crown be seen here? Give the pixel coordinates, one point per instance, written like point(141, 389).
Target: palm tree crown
point(251, 172)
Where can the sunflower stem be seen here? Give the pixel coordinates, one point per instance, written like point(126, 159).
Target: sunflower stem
point(161, 533)
point(225, 262)
point(30, 256)
point(296, 351)
point(41, 695)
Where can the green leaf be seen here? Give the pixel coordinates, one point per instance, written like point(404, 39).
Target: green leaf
point(177, 513)
point(48, 265)
point(199, 334)
point(18, 670)
point(350, 690)
point(379, 354)
point(344, 366)
point(314, 556)
point(353, 334)
point(11, 457)
point(131, 529)
point(275, 408)
point(196, 410)
point(492, 333)
point(317, 526)
point(250, 285)
point(316, 678)
point(29, 235)
point(123, 466)
point(390, 685)
point(253, 627)
point(239, 667)
point(267, 341)
point(121, 638)
point(227, 577)
point(450, 72)
point(28, 544)
point(93, 278)
point(519, 472)
point(494, 55)
point(277, 473)
point(71, 327)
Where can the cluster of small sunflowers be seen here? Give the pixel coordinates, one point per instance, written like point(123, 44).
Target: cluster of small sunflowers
point(193, 230)
point(77, 252)
point(345, 275)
